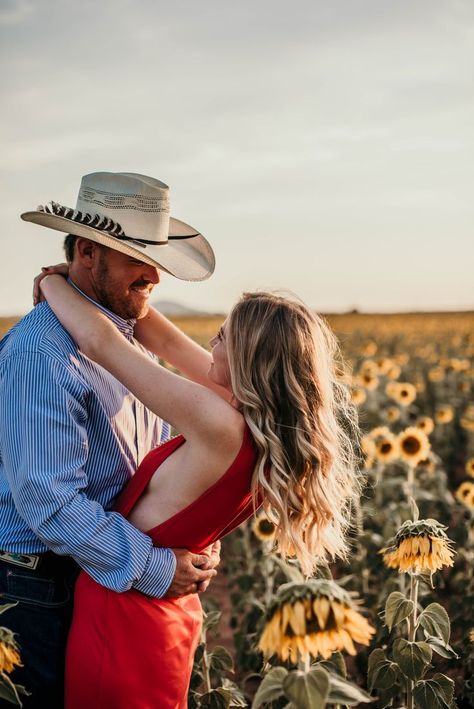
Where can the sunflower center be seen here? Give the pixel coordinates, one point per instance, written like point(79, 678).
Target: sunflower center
point(385, 447)
point(411, 445)
point(266, 527)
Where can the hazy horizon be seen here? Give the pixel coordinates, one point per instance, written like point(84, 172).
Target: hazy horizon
point(322, 148)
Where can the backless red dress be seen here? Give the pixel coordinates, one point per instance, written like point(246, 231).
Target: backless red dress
point(131, 651)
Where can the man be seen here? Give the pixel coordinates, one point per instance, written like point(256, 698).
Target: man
point(71, 435)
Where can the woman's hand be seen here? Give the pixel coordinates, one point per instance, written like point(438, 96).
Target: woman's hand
point(61, 268)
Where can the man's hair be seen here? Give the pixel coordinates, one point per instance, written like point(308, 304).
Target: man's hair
point(69, 243)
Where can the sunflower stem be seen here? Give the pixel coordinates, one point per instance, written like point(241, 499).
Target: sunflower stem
point(304, 662)
point(412, 620)
point(411, 481)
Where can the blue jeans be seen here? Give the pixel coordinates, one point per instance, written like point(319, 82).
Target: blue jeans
point(41, 620)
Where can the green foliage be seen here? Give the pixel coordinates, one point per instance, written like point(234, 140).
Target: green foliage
point(307, 690)
point(412, 657)
point(397, 608)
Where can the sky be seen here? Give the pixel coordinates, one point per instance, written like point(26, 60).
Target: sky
point(325, 148)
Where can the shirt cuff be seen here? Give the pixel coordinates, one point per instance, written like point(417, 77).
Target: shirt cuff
point(158, 574)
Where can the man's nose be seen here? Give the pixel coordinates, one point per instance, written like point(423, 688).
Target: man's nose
point(151, 274)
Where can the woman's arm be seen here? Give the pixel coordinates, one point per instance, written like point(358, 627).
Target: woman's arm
point(192, 409)
point(160, 336)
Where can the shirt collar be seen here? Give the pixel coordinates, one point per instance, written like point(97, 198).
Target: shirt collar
point(125, 326)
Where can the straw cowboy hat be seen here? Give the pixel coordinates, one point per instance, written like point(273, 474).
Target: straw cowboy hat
point(131, 213)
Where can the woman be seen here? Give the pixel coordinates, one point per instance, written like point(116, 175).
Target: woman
point(281, 439)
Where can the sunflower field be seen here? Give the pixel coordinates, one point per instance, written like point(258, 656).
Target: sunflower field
point(394, 625)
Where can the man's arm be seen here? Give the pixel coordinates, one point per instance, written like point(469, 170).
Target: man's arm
point(44, 448)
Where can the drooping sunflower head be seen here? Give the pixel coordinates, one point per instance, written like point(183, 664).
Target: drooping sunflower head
point(419, 546)
point(314, 618)
point(465, 494)
point(425, 424)
point(444, 414)
point(9, 652)
point(263, 528)
point(413, 445)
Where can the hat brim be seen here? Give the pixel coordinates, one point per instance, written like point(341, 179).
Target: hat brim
point(189, 259)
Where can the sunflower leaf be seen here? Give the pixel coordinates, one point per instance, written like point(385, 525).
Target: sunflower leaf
point(441, 648)
point(343, 692)
point(435, 621)
point(271, 687)
point(435, 693)
point(9, 691)
point(307, 690)
point(382, 672)
point(412, 658)
point(220, 659)
point(397, 608)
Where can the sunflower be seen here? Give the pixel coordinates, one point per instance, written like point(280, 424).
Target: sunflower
point(314, 618)
point(403, 393)
point(413, 444)
point(436, 374)
point(378, 432)
point(402, 358)
point(358, 396)
point(470, 467)
point(419, 545)
point(263, 528)
point(444, 414)
point(386, 448)
point(369, 349)
point(394, 372)
point(367, 446)
point(384, 364)
point(368, 366)
point(467, 423)
point(368, 380)
point(465, 494)
point(392, 413)
point(425, 424)
point(9, 654)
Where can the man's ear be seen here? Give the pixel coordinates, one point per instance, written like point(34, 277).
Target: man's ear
point(87, 252)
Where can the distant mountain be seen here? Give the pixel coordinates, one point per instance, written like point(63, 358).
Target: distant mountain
point(170, 307)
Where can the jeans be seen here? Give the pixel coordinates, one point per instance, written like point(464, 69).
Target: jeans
point(41, 621)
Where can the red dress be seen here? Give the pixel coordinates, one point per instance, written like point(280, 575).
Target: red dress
point(130, 651)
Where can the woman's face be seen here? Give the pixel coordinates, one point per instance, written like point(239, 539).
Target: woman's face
point(219, 371)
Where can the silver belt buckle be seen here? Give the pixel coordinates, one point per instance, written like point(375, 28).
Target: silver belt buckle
point(29, 561)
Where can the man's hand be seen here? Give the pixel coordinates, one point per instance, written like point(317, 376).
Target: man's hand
point(190, 573)
point(213, 554)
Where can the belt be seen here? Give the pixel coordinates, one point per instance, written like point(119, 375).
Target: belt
point(48, 562)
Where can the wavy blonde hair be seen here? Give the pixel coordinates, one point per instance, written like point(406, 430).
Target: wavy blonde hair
point(285, 367)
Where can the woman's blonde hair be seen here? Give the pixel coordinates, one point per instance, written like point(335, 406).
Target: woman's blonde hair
point(285, 369)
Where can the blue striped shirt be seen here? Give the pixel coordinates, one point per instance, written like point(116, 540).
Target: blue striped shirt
point(71, 436)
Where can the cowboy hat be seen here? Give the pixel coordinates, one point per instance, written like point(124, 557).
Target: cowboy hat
point(131, 213)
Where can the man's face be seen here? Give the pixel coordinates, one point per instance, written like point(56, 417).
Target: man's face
point(123, 284)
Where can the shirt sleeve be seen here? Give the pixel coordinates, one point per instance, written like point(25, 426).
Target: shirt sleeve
point(44, 449)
